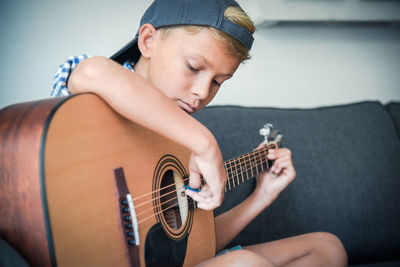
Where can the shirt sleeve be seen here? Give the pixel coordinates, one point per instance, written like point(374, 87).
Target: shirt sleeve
point(64, 71)
point(62, 75)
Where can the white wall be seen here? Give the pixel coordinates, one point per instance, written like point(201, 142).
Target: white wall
point(310, 65)
point(37, 36)
point(294, 64)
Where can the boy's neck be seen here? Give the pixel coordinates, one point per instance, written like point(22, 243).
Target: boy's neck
point(141, 67)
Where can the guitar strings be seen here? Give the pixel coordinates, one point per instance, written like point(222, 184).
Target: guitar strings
point(174, 204)
point(254, 154)
point(173, 184)
point(169, 200)
point(166, 208)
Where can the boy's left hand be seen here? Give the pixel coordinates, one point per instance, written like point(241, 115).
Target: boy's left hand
point(272, 182)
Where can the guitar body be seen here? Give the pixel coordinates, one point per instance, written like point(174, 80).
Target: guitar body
point(60, 196)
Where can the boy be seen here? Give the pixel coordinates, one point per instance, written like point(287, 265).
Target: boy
point(183, 52)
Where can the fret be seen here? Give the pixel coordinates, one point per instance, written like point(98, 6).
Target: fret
point(239, 171)
point(261, 161)
point(256, 163)
point(242, 169)
point(248, 168)
point(227, 170)
point(245, 168)
point(251, 167)
point(231, 175)
point(266, 159)
point(253, 164)
point(235, 173)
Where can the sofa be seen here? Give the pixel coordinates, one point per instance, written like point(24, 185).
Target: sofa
point(347, 160)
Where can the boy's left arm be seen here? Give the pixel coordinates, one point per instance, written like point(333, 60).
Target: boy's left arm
point(269, 185)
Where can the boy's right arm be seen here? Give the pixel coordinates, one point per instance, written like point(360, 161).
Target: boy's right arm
point(138, 100)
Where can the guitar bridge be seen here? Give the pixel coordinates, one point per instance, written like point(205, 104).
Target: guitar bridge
point(128, 219)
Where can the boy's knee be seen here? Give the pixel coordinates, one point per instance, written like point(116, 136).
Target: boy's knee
point(331, 248)
point(239, 258)
point(248, 258)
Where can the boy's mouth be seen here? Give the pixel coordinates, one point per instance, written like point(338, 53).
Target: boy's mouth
point(186, 107)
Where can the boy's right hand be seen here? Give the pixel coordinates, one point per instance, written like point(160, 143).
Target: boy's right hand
point(210, 166)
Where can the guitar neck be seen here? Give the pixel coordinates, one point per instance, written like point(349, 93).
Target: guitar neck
point(242, 168)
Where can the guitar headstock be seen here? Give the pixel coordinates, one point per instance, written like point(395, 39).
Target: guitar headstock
point(272, 139)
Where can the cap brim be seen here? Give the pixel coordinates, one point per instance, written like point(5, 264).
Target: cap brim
point(129, 52)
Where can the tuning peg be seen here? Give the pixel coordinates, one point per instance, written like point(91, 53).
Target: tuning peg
point(266, 131)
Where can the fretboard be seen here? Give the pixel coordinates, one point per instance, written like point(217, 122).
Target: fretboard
point(245, 167)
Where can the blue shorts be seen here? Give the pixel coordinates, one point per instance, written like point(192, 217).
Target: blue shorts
point(224, 251)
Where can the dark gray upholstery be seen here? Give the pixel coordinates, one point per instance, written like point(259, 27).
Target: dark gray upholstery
point(394, 111)
point(9, 257)
point(347, 160)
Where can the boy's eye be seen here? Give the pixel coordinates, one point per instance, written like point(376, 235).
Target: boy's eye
point(216, 83)
point(190, 67)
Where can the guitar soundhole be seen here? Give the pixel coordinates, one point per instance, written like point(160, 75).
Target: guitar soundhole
point(174, 215)
point(171, 206)
point(174, 204)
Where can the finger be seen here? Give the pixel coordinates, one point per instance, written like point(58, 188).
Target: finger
point(203, 195)
point(273, 154)
point(276, 153)
point(261, 145)
point(204, 199)
point(206, 192)
point(282, 158)
point(206, 206)
point(194, 179)
point(194, 195)
point(281, 164)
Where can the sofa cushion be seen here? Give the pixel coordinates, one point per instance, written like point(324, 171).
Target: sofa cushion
point(9, 257)
point(394, 111)
point(347, 162)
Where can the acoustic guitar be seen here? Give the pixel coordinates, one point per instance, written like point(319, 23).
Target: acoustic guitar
point(82, 186)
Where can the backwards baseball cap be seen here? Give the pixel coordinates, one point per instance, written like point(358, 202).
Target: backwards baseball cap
point(164, 13)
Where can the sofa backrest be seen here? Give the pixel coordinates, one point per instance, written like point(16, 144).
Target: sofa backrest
point(347, 160)
point(394, 111)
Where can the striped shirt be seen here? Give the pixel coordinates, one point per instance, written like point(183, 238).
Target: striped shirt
point(64, 71)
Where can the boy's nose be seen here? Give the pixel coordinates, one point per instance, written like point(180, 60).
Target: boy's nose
point(201, 89)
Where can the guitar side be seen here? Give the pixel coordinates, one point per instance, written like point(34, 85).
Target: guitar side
point(83, 143)
point(23, 221)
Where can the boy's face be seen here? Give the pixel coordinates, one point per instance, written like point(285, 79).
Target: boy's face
point(190, 67)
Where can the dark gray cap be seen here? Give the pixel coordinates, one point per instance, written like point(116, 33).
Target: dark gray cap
point(163, 13)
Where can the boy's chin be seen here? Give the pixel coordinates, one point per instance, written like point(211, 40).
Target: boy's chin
point(188, 112)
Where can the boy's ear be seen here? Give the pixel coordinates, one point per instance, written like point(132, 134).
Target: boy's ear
point(147, 35)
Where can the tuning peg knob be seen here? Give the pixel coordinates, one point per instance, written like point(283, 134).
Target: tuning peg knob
point(266, 131)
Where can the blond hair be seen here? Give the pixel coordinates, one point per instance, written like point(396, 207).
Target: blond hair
point(235, 47)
